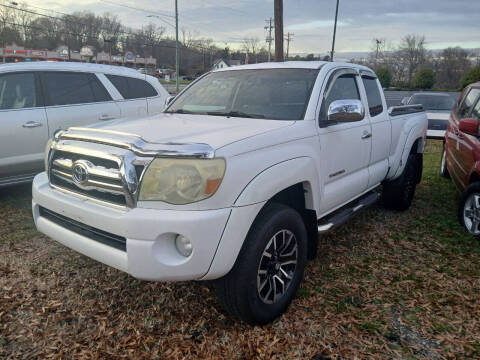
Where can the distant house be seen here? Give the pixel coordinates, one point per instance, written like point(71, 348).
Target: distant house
point(221, 63)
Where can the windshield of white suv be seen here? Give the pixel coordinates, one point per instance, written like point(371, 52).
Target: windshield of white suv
point(280, 94)
point(433, 102)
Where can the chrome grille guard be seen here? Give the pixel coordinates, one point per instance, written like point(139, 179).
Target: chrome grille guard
point(106, 165)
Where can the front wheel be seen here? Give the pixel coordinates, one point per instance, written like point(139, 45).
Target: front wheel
point(268, 269)
point(398, 194)
point(469, 209)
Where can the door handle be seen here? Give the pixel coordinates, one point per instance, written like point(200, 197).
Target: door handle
point(366, 135)
point(32, 124)
point(106, 117)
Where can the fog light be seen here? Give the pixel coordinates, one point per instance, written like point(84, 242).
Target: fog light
point(184, 246)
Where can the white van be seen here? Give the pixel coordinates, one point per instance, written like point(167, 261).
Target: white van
point(37, 99)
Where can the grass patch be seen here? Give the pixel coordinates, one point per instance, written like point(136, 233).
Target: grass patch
point(385, 285)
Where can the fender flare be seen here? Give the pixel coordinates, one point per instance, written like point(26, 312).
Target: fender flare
point(281, 176)
point(253, 198)
point(415, 133)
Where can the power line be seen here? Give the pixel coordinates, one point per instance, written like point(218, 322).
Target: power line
point(124, 32)
point(225, 7)
point(137, 8)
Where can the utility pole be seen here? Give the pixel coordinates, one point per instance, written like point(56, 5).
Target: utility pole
point(269, 38)
point(278, 13)
point(289, 38)
point(379, 42)
point(334, 32)
point(177, 50)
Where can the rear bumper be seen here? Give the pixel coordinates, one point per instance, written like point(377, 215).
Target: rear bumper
point(150, 234)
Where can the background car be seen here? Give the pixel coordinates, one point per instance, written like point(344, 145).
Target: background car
point(461, 156)
point(438, 107)
point(37, 99)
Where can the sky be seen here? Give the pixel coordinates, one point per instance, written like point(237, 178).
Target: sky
point(444, 23)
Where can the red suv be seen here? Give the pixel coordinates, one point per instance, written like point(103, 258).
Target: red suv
point(461, 156)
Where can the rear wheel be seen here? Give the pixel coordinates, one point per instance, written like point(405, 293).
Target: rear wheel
point(268, 269)
point(469, 209)
point(443, 164)
point(398, 194)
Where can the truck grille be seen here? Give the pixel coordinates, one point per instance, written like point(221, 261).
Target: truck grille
point(106, 238)
point(94, 177)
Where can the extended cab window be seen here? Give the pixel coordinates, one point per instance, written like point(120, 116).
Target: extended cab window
point(132, 88)
point(374, 98)
point(17, 91)
point(468, 102)
point(68, 88)
point(344, 88)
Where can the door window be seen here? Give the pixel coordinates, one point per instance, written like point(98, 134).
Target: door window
point(374, 97)
point(132, 88)
point(468, 102)
point(476, 111)
point(344, 88)
point(17, 91)
point(67, 88)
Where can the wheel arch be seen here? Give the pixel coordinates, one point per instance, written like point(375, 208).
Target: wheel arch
point(296, 190)
point(275, 180)
point(414, 144)
point(474, 177)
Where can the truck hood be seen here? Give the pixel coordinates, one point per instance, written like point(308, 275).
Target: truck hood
point(216, 131)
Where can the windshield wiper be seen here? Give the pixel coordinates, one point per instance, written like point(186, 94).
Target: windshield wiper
point(236, 114)
point(181, 111)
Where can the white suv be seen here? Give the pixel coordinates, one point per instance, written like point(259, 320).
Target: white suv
point(37, 99)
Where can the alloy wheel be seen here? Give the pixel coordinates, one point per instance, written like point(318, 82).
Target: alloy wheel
point(471, 214)
point(277, 266)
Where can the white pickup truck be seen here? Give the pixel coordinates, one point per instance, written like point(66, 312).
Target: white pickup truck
point(234, 181)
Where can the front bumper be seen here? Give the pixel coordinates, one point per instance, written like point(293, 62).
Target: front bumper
point(150, 234)
point(435, 134)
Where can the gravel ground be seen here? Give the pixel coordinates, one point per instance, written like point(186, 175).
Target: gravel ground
point(387, 285)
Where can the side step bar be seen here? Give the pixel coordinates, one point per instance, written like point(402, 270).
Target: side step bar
point(344, 214)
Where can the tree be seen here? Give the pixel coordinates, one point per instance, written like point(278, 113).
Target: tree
point(452, 64)
point(385, 76)
point(471, 77)
point(413, 54)
point(424, 79)
point(251, 46)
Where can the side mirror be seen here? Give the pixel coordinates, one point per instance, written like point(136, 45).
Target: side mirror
point(469, 126)
point(168, 100)
point(344, 111)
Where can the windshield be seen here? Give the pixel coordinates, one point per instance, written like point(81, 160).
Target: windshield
point(433, 102)
point(280, 94)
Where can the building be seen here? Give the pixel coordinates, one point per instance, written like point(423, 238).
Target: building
point(16, 53)
point(221, 63)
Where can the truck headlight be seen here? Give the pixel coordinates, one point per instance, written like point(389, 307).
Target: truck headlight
point(181, 181)
point(47, 153)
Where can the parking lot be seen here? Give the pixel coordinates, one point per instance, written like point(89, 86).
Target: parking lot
point(394, 98)
point(386, 285)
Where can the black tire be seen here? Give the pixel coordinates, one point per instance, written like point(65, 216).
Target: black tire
point(398, 194)
point(443, 164)
point(471, 191)
point(239, 291)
